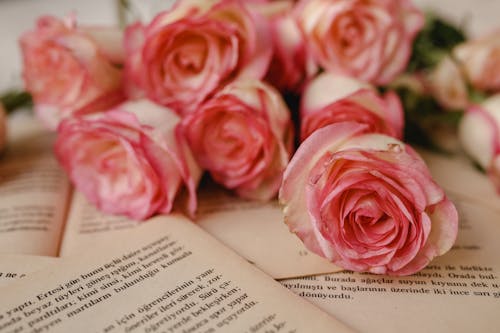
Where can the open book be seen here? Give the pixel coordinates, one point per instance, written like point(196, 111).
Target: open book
point(41, 215)
point(155, 278)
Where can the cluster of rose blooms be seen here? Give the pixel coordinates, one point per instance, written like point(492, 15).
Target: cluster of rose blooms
point(140, 114)
point(469, 80)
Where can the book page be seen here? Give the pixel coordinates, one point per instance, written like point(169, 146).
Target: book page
point(458, 292)
point(167, 275)
point(458, 175)
point(33, 191)
point(87, 226)
point(255, 230)
point(13, 267)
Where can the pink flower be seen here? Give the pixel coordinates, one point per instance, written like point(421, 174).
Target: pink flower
point(292, 63)
point(129, 160)
point(67, 71)
point(243, 136)
point(366, 202)
point(188, 53)
point(448, 85)
point(480, 59)
point(368, 39)
point(479, 134)
point(331, 98)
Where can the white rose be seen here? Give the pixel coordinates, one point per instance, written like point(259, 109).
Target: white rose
point(480, 137)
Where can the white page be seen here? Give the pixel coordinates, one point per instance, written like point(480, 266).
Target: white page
point(33, 191)
point(13, 267)
point(458, 175)
point(165, 276)
point(255, 230)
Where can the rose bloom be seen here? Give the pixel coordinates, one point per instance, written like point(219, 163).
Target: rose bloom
point(480, 59)
point(129, 160)
point(479, 134)
point(243, 136)
point(188, 53)
point(69, 70)
point(366, 202)
point(332, 98)
point(368, 39)
point(292, 63)
point(448, 85)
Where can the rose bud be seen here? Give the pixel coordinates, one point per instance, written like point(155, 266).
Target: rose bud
point(69, 70)
point(479, 135)
point(292, 64)
point(188, 53)
point(366, 202)
point(332, 98)
point(130, 160)
point(448, 85)
point(243, 136)
point(480, 59)
point(368, 39)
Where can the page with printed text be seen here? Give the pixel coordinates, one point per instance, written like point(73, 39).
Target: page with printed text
point(34, 191)
point(167, 275)
point(255, 230)
point(458, 292)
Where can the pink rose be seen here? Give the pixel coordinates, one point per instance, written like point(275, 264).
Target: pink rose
point(67, 71)
point(480, 59)
point(448, 85)
point(479, 134)
point(243, 136)
point(292, 63)
point(366, 202)
point(188, 53)
point(331, 98)
point(368, 39)
point(129, 160)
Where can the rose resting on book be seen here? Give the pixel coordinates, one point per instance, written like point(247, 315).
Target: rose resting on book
point(228, 87)
point(366, 202)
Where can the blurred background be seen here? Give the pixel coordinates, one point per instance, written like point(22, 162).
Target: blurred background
point(17, 16)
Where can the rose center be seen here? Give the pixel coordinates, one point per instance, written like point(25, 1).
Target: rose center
point(191, 55)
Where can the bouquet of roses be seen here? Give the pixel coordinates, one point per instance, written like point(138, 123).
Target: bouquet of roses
point(232, 87)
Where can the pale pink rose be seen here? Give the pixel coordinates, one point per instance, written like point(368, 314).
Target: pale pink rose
point(332, 98)
point(366, 202)
point(243, 136)
point(480, 59)
point(479, 134)
point(188, 53)
point(292, 64)
point(3, 127)
point(68, 72)
point(447, 83)
point(130, 160)
point(368, 39)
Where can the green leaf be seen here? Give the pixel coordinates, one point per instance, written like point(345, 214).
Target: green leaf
point(422, 113)
point(14, 99)
point(437, 39)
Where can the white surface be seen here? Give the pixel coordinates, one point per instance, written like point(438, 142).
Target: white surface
point(476, 16)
